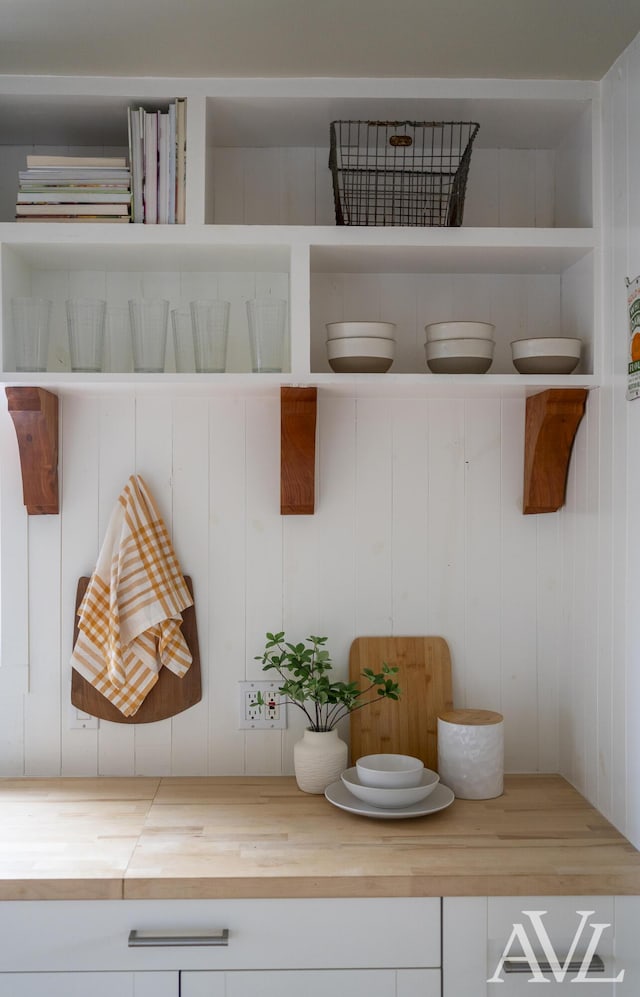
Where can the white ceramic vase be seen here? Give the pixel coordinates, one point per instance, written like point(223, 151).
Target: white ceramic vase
point(318, 760)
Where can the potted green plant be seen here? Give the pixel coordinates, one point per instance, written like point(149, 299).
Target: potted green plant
point(305, 681)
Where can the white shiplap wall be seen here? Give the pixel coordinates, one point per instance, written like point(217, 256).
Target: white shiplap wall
point(600, 654)
point(418, 529)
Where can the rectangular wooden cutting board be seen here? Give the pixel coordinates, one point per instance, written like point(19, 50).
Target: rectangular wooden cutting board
point(409, 726)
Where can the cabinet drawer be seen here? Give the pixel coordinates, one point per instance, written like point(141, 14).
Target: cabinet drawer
point(262, 934)
point(83, 984)
point(313, 983)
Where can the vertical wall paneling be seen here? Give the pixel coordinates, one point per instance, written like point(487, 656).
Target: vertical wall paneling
point(446, 594)
point(154, 461)
point(42, 705)
point(633, 682)
point(226, 610)
point(517, 599)
point(374, 511)
point(80, 543)
point(590, 582)
point(618, 323)
point(117, 462)
point(517, 188)
point(190, 519)
point(264, 560)
point(336, 525)
point(298, 186)
point(196, 161)
point(14, 581)
point(482, 501)
point(417, 529)
point(398, 292)
point(299, 300)
point(293, 185)
point(550, 662)
point(410, 545)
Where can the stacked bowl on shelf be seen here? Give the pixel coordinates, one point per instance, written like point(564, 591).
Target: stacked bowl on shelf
point(360, 347)
point(459, 347)
point(546, 355)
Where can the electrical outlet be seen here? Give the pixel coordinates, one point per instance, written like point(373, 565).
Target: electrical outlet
point(253, 715)
point(78, 720)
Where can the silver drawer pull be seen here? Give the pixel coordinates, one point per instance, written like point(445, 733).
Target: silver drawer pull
point(522, 965)
point(142, 939)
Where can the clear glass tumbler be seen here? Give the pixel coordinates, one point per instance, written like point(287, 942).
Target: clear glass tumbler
point(85, 322)
point(267, 319)
point(148, 333)
point(210, 335)
point(183, 340)
point(31, 327)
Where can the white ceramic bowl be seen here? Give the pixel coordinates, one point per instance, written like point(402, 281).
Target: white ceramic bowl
point(548, 355)
point(391, 798)
point(389, 770)
point(459, 356)
point(360, 355)
point(372, 330)
point(459, 330)
point(360, 346)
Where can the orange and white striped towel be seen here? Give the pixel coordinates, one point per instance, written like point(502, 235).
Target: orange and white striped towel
point(130, 617)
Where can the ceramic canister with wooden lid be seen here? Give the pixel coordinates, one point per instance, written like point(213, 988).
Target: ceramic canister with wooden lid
point(471, 753)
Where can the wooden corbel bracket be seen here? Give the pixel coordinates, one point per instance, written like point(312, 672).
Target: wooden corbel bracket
point(35, 416)
point(297, 450)
point(552, 420)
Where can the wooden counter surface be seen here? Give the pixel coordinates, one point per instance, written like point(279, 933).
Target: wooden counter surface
point(143, 838)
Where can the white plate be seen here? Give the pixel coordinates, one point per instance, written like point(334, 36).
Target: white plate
point(338, 794)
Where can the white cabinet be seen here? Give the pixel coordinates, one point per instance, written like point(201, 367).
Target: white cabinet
point(481, 935)
point(314, 983)
point(96, 984)
point(260, 220)
point(381, 947)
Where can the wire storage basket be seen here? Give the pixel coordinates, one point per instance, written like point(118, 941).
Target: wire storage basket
point(400, 172)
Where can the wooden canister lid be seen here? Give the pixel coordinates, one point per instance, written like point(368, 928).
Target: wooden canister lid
point(471, 718)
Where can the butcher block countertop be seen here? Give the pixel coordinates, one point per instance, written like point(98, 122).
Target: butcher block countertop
point(225, 837)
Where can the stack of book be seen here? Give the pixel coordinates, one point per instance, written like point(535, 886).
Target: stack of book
point(74, 188)
point(157, 152)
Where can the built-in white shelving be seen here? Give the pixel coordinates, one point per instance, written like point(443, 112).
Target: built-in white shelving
point(260, 220)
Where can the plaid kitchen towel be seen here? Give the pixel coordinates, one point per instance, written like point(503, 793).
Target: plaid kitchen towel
point(130, 617)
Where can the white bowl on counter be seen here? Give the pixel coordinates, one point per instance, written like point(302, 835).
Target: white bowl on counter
point(360, 355)
point(547, 355)
point(389, 770)
point(437, 331)
point(391, 797)
point(370, 330)
point(459, 356)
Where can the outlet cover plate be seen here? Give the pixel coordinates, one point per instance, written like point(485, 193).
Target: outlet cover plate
point(251, 716)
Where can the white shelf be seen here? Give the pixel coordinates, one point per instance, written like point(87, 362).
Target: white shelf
point(258, 173)
point(346, 385)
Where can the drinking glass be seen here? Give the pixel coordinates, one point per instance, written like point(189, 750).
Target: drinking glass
point(148, 333)
point(31, 326)
point(267, 324)
point(85, 322)
point(183, 340)
point(210, 334)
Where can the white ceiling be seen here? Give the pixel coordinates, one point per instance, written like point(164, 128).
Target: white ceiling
point(526, 39)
